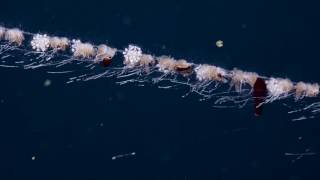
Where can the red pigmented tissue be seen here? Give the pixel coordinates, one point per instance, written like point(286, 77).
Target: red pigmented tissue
point(259, 94)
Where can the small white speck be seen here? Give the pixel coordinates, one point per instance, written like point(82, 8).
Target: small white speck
point(47, 83)
point(33, 158)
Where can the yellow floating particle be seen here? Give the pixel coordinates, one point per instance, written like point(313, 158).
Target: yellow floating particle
point(219, 44)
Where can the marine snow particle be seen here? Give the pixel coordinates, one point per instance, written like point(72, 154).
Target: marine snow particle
point(47, 83)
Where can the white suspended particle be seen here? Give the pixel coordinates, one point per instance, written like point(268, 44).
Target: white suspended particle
point(40, 42)
point(47, 83)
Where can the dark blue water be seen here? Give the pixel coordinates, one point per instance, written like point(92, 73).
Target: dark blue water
point(73, 130)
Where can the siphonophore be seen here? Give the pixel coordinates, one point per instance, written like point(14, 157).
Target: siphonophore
point(83, 61)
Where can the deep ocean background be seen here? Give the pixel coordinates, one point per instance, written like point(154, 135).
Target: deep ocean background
point(173, 137)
